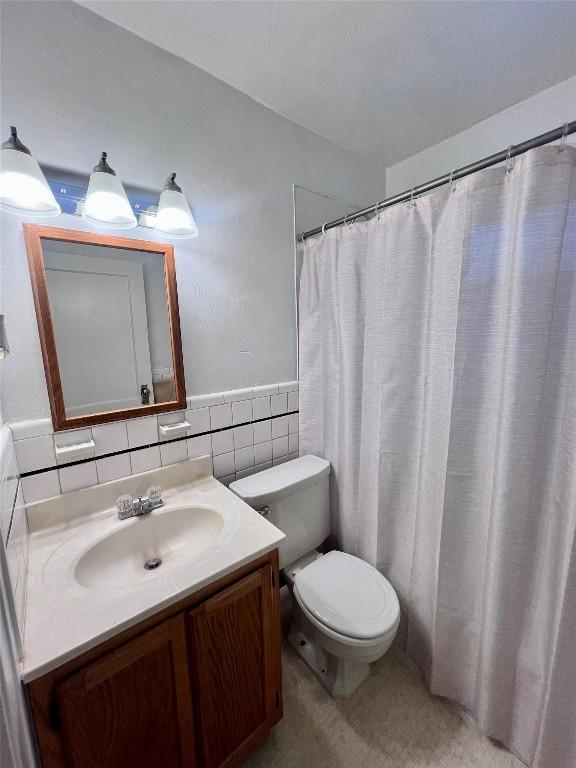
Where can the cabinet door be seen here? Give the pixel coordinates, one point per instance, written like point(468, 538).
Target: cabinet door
point(132, 708)
point(236, 667)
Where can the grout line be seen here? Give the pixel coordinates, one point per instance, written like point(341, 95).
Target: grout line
point(152, 445)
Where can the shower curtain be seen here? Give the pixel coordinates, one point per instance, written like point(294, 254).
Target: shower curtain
point(438, 376)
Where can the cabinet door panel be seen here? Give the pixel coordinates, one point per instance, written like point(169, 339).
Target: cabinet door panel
point(235, 660)
point(132, 708)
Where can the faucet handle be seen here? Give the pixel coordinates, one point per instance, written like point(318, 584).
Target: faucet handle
point(154, 493)
point(125, 503)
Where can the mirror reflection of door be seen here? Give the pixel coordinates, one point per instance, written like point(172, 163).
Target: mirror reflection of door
point(111, 326)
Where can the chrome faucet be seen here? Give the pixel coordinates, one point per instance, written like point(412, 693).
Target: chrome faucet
point(129, 507)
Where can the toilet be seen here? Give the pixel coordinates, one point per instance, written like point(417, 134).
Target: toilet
point(345, 614)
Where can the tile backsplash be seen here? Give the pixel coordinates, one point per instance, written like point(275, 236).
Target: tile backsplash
point(243, 430)
point(13, 525)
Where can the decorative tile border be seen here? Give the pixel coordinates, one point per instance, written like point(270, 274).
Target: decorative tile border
point(244, 431)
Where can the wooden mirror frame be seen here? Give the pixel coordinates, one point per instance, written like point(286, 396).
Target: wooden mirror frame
point(33, 236)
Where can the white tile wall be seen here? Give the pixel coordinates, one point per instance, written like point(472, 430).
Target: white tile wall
point(280, 427)
point(266, 389)
point(17, 556)
point(109, 438)
point(142, 431)
point(238, 394)
point(244, 458)
point(293, 423)
point(35, 453)
point(222, 442)
point(243, 436)
point(199, 420)
point(204, 401)
point(293, 401)
point(241, 446)
point(242, 412)
point(262, 431)
point(113, 467)
point(199, 446)
point(293, 443)
point(13, 526)
point(8, 489)
point(224, 464)
point(279, 447)
point(261, 408)
point(263, 452)
point(173, 452)
point(279, 404)
point(244, 472)
point(220, 416)
point(78, 476)
point(31, 428)
point(37, 487)
point(145, 459)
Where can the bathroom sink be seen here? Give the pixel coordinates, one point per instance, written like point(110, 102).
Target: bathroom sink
point(148, 545)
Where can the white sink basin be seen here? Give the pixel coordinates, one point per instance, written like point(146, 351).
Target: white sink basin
point(171, 535)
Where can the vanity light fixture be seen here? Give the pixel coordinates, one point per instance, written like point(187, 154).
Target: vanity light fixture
point(174, 217)
point(106, 201)
point(23, 186)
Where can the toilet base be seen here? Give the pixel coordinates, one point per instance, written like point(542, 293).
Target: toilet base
point(340, 677)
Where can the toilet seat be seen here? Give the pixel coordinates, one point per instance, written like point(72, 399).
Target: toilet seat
point(348, 597)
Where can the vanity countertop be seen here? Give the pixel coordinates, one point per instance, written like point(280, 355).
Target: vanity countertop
point(65, 618)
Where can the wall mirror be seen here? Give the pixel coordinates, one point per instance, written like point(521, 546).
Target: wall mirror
point(107, 311)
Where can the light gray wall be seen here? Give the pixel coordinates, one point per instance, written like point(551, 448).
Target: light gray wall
point(538, 114)
point(75, 85)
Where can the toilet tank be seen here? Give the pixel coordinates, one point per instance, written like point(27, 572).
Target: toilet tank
point(297, 493)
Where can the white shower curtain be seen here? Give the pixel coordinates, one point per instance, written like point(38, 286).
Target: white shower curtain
point(438, 376)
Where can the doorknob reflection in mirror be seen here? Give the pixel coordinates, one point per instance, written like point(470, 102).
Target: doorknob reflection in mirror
point(145, 394)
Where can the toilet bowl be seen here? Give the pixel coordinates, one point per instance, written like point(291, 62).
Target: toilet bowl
point(345, 614)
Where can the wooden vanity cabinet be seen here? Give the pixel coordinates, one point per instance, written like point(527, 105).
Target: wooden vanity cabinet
point(133, 706)
point(237, 691)
point(196, 686)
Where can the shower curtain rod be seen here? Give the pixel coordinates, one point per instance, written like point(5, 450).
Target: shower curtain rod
point(458, 173)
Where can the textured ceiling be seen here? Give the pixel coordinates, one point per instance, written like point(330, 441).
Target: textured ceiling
point(382, 79)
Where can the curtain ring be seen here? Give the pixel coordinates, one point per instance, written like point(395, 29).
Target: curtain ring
point(377, 211)
point(452, 184)
point(346, 220)
point(564, 135)
point(324, 228)
point(509, 159)
point(412, 201)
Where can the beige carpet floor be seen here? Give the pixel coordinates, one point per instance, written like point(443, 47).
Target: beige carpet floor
point(392, 722)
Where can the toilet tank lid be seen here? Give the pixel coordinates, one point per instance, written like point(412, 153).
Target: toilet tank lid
point(281, 480)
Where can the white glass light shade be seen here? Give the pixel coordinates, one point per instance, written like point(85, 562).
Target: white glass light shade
point(23, 187)
point(174, 216)
point(106, 202)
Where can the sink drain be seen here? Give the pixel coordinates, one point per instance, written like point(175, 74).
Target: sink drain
point(153, 563)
